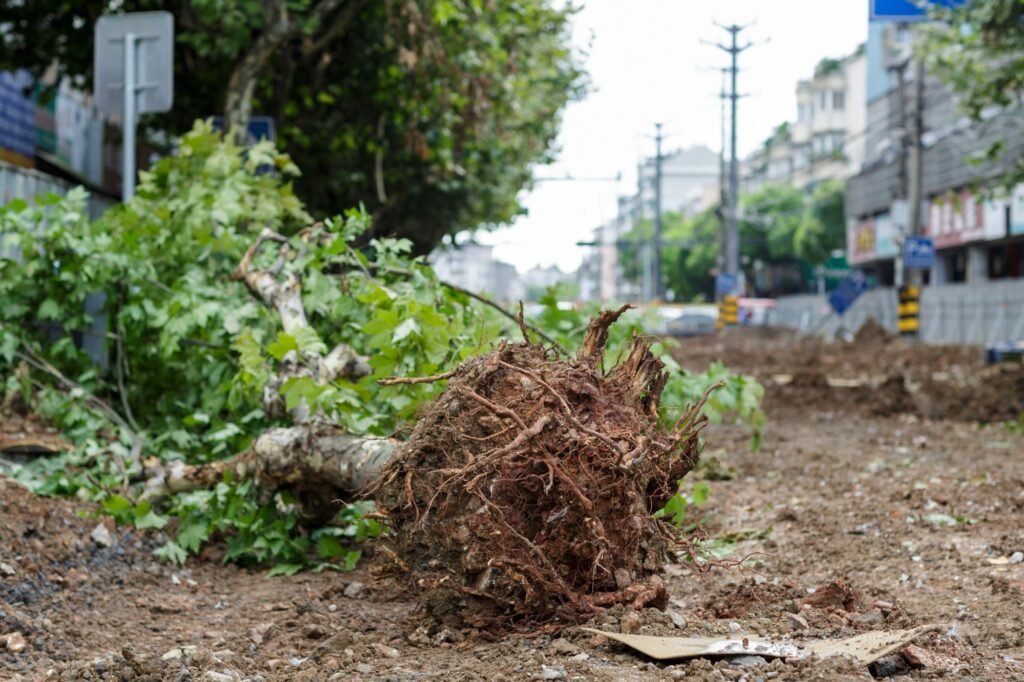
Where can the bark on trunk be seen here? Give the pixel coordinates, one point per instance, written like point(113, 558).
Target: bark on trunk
point(280, 29)
point(315, 455)
point(246, 74)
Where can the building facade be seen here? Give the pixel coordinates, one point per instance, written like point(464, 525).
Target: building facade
point(977, 230)
point(827, 139)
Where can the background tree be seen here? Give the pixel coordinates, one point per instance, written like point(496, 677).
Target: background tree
point(430, 113)
point(769, 221)
point(978, 50)
point(784, 232)
point(822, 228)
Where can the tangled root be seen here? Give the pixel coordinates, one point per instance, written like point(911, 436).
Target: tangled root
point(525, 494)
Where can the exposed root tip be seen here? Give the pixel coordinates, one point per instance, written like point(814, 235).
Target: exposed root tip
point(594, 343)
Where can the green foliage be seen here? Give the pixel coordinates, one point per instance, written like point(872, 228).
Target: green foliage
point(978, 50)
point(676, 508)
point(822, 228)
point(188, 351)
point(781, 227)
point(432, 113)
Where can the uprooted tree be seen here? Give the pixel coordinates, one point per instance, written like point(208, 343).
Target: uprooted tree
point(527, 491)
point(518, 483)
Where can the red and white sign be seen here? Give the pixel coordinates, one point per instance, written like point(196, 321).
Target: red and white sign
point(959, 219)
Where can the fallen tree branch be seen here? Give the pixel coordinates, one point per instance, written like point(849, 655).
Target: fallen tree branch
point(314, 454)
point(393, 381)
point(91, 399)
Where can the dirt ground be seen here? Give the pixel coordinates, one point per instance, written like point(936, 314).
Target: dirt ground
point(878, 501)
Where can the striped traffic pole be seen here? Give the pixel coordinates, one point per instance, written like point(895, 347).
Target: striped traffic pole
point(909, 310)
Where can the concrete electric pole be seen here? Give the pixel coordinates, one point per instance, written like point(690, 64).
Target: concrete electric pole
point(656, 288)
point(732, 232)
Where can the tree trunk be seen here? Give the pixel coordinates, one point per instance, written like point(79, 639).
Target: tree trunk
point(280, 28)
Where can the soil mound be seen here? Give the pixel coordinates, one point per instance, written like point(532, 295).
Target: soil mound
point(525, 494)
point(872, 333)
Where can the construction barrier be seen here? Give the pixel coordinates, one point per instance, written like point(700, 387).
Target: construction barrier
point(973, 313)
point(728, 311)
point(908, 310)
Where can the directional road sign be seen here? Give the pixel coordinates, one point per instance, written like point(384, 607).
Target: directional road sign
point(918, 253)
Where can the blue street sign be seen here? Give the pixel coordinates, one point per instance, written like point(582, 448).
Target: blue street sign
point(725, 284)
point(843, 296)
point(918, 253)
point(907, 10)
point(260, 127)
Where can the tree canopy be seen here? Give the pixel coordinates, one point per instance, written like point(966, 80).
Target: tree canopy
point(978, 50)
point(431, 113)
point(781, 226)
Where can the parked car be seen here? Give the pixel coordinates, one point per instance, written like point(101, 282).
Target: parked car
point(696, 320)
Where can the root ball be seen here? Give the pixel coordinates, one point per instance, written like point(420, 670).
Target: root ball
point(526, 493)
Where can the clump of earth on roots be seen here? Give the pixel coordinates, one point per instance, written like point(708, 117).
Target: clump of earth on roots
point(525, 495)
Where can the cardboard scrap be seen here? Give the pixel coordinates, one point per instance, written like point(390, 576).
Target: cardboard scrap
point(864, 648)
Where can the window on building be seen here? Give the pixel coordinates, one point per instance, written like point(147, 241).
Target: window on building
point(800, 158)
point(838, 100)
point(823, 100)
point(802, 113)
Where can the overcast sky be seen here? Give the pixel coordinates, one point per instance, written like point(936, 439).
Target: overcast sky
point(646, 64)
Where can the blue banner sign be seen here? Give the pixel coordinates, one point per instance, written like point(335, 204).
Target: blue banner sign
point(260, 128)
point(725, 284)
point(918, 253)
point(848, 291)
point(17, 117)
point(902, 11)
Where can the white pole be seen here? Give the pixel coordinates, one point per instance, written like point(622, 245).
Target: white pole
point(128, 122)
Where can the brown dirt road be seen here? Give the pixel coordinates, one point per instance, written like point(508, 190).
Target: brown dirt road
point(877, 502)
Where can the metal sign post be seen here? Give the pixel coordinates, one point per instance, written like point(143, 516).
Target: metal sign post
point(128, 120)
point(133, 64)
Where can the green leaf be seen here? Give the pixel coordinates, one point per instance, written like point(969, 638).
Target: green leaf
point(405, 329)
point(700, 493)
point(674, 508)
point(50, 310)
point(309, 341)
point(284, 344)
point(150, 519)
point(327, 547)
point(116, 505)
point(193, 533)
point(172, 552)
point(285, 569)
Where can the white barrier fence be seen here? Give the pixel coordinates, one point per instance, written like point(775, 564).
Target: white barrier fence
point(976, 313)
point(28, 184)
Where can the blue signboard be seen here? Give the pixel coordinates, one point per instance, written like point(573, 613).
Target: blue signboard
point(918, 253)
point(17, 115)
point(907, 10)
point(260, 128)
point(725, 284)
point(843, 296)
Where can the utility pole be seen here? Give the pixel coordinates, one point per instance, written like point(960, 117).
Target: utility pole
point(656, 242)
point(916, 150)
point(723, 95)
point(732, 232)
point(901, 121)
